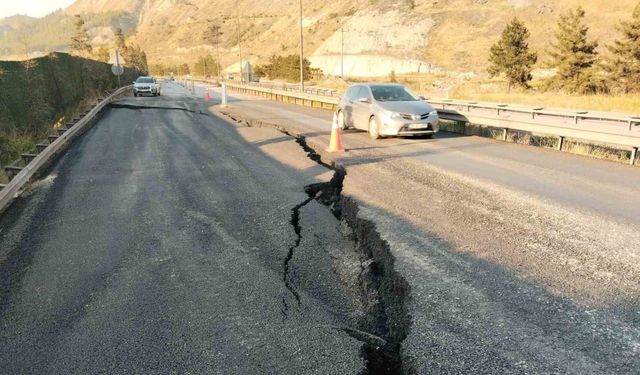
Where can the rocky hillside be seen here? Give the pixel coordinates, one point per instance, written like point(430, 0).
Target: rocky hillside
point(378, 35)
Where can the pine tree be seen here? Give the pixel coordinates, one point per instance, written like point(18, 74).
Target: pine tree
point(574, 56)
point(511, 55)
point(80, 43)
point(624, 66)
point(213, 35)
point(205, 65)
point(120, 40)
point(145, 63)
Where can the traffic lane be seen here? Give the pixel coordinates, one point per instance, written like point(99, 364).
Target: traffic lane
point(469, 314)
point(579, 182)
point(157, 247)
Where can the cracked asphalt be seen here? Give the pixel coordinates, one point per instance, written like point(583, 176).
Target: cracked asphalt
point(173, 240)
point(157, 245)
point(520, 260)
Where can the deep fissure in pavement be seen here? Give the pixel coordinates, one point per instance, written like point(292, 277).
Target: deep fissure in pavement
point(295, 222)
point(383, 291)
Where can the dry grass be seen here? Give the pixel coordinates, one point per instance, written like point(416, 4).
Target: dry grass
point(605, 103)
point(466, 29)
point(597, 151)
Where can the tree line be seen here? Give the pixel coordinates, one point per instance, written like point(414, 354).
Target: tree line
point(80, 45)
point(579, 68)
point(204, 66)
point(287, 68)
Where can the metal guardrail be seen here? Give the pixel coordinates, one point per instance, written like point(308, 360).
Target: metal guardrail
point(575, 116)
point(296, 88)
point(17, 183)
point(288, 96)
point(599, 128)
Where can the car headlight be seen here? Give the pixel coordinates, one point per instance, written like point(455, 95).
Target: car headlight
point(433, 113)
point(392, 115)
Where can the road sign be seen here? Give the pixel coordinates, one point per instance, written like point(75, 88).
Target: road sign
point(117, 70)
point(116, 59)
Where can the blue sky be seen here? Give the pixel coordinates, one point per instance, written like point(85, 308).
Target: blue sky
point(34, 8)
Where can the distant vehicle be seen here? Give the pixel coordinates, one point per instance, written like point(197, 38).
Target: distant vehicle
point(146, 86)
point(230, 76)
point(386, 110)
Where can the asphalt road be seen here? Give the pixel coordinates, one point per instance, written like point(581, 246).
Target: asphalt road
point(577, 181)
point(157, 245)
point(171, 239)
point(520, 260)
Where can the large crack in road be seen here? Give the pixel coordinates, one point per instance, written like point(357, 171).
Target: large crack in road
point(295, 223)
point(381, 290)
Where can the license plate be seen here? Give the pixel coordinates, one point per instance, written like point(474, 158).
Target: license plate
point(418, 126)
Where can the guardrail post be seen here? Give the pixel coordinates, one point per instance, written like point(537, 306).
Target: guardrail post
point(223, 101)
point(634, 154)
point(560, 143)
point(504, 134)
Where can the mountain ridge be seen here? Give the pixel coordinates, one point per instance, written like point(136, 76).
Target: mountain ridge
point(380, 36)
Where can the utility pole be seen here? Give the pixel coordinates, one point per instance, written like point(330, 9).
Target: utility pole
point(118, 66)
point(240, 43)
point(301, 51)
point(342, 53)
point(204, 67)
point(213, 35)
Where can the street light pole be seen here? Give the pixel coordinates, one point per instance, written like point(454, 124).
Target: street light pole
point(301, 51)
point(239, 43)
point(204, 67)
point(342, 53)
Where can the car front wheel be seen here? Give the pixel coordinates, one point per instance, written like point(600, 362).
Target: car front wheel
point(341, 122)
point(374, 129)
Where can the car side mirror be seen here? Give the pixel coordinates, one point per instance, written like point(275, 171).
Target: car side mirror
point(134, 82)
point(364, 100)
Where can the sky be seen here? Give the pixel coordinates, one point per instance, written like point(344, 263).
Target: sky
point(33, 8)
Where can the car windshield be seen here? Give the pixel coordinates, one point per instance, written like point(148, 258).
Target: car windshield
point(145, 80)
point(392, 94)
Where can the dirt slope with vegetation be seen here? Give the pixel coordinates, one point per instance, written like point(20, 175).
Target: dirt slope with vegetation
point(36, 94)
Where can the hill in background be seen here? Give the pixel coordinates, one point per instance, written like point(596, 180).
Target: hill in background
point(379, 35)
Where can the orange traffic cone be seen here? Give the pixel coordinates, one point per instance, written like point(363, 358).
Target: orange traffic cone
point(335, 145)
point(207, 96)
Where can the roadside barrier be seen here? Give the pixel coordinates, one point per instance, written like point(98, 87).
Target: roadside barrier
point(20, 176)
